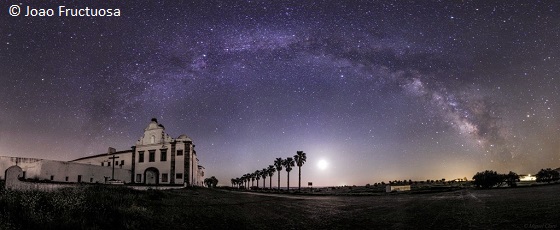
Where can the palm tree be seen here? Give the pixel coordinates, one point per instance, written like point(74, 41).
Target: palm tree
point(258, 176)
point(289, 163)
point(300, 159)
point(253, 176)
point(271, 171)
point(264, 174)
point(247, 178)
point(232, 182)
point(278, 164)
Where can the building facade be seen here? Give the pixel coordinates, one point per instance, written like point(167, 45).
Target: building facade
point(155, 159)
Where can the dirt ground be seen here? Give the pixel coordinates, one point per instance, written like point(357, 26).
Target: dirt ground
point(512, 208)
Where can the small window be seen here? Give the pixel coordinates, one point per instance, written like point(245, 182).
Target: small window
point(140, 156)
point(102, 163)
point(163, 155)
point(122, 162)
point(138, 178)
point(108, 163)
point(52, 177)
point(23, 176)
point(152, 156)
point(180, 152)
point(79, 178)
point(179, 176)
point(66, 179)
point(153, 139)
point(164, 177)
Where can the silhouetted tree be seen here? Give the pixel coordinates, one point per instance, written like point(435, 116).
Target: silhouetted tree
point(238, 182)
point(512, 179)
point(278, 163)
point(211, 182)
point(300, 159)
point(271, 169)
point(488, 179)
point(547, 175)
point(258, 176)
point(247, 177)
point(555, 175)
point(288, 164)
point(253, 177)
point(264, 174)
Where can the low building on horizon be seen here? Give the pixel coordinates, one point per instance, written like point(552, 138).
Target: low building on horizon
point(397, 188)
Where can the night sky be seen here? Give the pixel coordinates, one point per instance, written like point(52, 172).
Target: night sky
point(389, 90)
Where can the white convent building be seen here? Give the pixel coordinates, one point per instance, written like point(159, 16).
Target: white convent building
point(156, 159)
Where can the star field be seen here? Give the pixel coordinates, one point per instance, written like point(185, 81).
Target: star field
point(382, 91)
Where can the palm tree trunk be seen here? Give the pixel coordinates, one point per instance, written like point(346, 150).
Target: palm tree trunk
point(299, 183)
point(278, 182)
point(288, 181)
point(264, 183)
point(270, 183)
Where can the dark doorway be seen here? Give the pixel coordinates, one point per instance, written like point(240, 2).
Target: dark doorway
point(151, 176)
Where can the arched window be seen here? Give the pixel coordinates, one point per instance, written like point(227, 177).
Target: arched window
point(153, 139)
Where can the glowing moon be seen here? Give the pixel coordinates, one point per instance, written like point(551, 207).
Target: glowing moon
point(322, 164)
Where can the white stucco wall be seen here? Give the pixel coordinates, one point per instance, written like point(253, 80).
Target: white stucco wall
point(123, 157)
point(27, 164)
point(89, 173)
point(162, 166)
point(43, 170)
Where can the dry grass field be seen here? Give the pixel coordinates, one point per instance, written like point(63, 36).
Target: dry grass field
point(200, 208)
